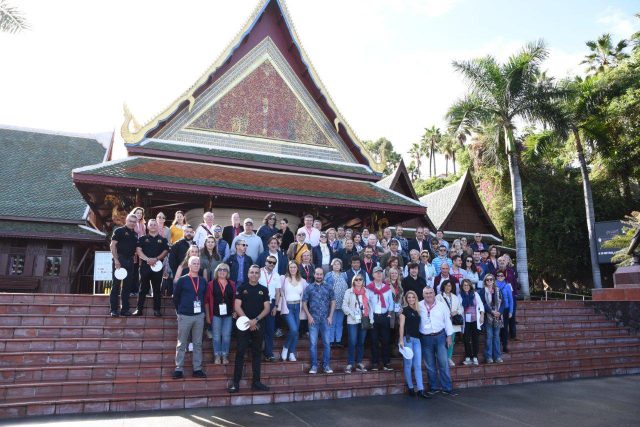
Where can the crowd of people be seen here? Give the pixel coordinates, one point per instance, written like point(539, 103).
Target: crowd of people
point(411, 296)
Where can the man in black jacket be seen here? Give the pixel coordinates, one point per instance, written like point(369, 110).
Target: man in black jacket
point(180, 248)
point(421, 241)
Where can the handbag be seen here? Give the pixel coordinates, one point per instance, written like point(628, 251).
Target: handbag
point(365, 322)
point(456, 319)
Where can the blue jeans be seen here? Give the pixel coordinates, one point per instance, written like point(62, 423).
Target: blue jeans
point(335, 330)
point(357, 335)
point(434, 352)
point(322, 327)
point(415, 363)
point(269, 331)
point(221, 329)
point(293, 322)
point(493, 342)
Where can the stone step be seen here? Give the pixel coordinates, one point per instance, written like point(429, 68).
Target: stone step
point(163, 366)
point(133, 342)
point(19, 393)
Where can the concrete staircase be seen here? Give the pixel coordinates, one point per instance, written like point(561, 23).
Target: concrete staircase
point(62, 354)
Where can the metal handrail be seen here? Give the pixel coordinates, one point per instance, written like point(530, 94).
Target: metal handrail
point(546, 296)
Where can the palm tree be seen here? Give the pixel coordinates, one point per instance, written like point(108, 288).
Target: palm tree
point(448, 147)
point(11, 19)
point(430, 141)
point(603, 54)
point(416, 154)
point(500, 95)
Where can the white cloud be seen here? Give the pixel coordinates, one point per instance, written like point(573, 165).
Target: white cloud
point(619, 24)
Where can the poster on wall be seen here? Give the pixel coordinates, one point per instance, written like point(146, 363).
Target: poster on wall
point(102, 266)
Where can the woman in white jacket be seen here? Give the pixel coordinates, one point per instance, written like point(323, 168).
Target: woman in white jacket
point(355, 306)
point(473, 318)
point(293, 286)
point(446, 296)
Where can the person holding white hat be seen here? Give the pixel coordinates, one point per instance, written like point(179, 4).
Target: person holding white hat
point(409, 343)
point(252, 301)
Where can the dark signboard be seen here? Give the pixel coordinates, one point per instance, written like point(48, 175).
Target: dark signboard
point(605, 231)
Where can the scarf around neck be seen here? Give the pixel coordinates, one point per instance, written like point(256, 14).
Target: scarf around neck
point(379, 292)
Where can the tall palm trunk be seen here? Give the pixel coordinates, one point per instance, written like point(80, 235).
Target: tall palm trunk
point(454, 162)
point(518, 218)
point(591, 217)
point(446, 165)
point(433, 156)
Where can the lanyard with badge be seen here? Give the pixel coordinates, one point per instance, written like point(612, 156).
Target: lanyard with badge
point(268, 280)
point(222, 307)
point(427, 323)
point(197, 307)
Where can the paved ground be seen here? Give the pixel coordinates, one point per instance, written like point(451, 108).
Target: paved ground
point(611, 401)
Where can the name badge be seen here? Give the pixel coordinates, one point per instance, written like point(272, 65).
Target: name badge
point(223, 309)
point(197, 308)
point(467, 317)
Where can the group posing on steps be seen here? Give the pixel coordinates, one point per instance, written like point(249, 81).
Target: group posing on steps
point(410, 296)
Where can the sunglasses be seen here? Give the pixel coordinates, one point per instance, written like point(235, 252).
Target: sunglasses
point(271, 262)
point(242, 244)
point(425, 256)
point(488, 280)
point(357, 280)
point(469, 260)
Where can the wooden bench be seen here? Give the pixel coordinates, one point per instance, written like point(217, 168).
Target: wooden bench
point(19, 284)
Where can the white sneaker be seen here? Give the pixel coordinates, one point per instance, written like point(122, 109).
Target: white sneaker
point(328, 370)
point(467, 361)
point(475, 361)
point(451, 363)
point(499, 360)
point(313, 370)
point(285, 350)
point(348, 369)
point(292, 357)
point(489, 360)
point(361, 368)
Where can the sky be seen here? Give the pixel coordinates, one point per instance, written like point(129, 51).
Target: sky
point(386, 64)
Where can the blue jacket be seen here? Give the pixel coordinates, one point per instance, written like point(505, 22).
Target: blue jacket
point(283, 261)
point(234, 265)
point(507, 295)
point(317, 255)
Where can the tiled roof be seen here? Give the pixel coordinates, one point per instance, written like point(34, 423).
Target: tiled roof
point(395, 179)
point(441, 202)
point(35, 177)
point(203, 150)
point(48, 230)
point(203, 178)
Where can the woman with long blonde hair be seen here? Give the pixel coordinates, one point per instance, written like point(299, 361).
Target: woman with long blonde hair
point(410, 338)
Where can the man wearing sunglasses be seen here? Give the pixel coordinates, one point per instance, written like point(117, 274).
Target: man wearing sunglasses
point(270, 279)
point(239, 263)
point(442, 258)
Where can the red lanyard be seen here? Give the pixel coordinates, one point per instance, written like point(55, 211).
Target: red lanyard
point(268, 277)
point(195, 286)
point(429, 308)
point(309, 230)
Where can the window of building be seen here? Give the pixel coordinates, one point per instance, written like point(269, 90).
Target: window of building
point(54, 259)
point(17, 255)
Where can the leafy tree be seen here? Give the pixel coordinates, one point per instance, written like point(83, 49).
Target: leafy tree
point(429, 185)
point(604, 54)
point(622, 258)
point(11, 19)
point(384, 151)
point(500, 95)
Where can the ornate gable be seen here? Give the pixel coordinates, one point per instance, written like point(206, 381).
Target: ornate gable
point(296, 116)
point(259, 104)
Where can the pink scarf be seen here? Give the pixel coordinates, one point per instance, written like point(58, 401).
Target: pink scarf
point(379, 292)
